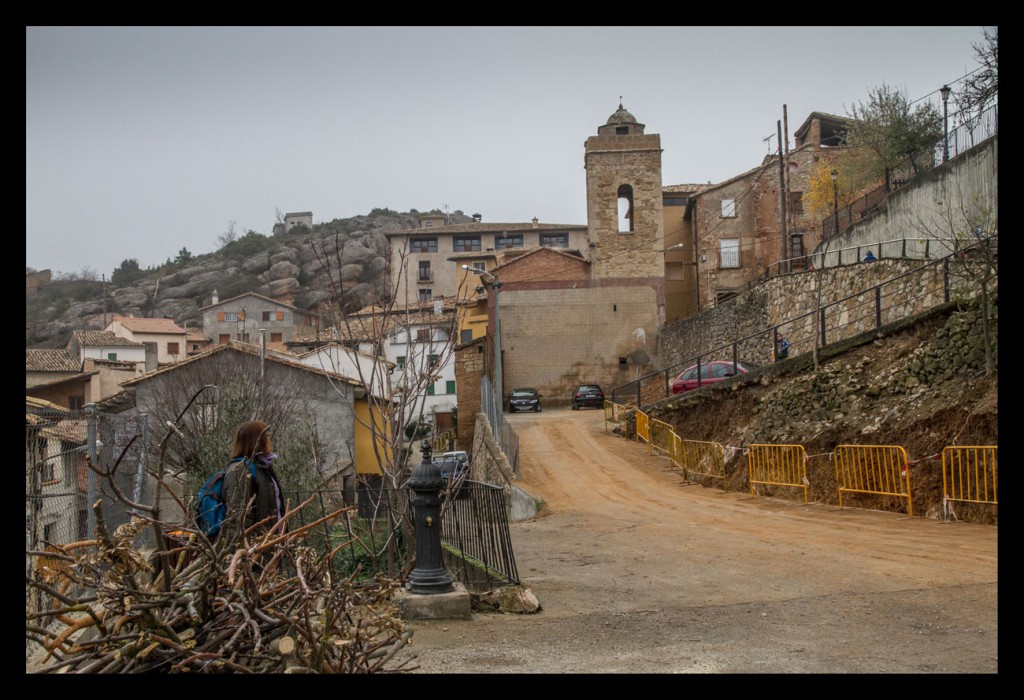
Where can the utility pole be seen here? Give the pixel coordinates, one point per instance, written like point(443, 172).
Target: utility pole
point(784, 260)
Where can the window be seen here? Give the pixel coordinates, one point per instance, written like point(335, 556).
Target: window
point(796, 202)
point(400, 362)
point(48, 533)
point(422, 335)
point(49, 473)
point(554, 240)
point(730, 252)
point(276, 338)
point(425, 275)
point(433, 361)
point(425, 295)
point(223, 338)
point(266, 315)
point(112, 356)
point(173, 349)
point(430, 389)
point(230, 316)
point(466, 244)
point(480, 265)
point(465, 336)
point(673, 201)
point(76, 403)
point(625, 199)
point(429, 224)
point(423, 245)
point(508, 240)
point(622, 131)
point(728, 208)
point(449, 386)
point(797, 245)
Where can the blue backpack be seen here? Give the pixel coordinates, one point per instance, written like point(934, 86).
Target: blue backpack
point(211, 508)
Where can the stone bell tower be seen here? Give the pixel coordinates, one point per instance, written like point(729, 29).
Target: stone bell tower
point(624, 216)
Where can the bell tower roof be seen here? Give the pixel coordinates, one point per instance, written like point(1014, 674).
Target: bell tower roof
point(621, 123)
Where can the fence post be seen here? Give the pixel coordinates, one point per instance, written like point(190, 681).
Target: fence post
point(821, 323)
point(878, 306)
point(90, 422)
point(945, 280)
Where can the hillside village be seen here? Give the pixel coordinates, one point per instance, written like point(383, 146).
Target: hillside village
point(391, 321)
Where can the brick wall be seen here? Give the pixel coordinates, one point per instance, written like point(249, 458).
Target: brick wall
point(469, 369)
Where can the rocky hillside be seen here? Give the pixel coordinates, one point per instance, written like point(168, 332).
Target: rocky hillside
point(283, 267)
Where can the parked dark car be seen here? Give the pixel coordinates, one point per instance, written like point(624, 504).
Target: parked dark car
point(587, 395)
point(523, 399)
point(452, 464)
point(710, 372)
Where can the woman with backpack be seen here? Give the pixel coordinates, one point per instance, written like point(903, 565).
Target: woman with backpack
point(250, 484)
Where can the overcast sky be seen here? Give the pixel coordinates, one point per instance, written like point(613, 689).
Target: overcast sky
point(141, 141)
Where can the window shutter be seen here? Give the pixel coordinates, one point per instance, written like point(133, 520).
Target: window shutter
point(241, 315)
point(220, 315)
point(280, 315)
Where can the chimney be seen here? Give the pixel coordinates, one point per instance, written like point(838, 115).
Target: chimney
point(215, 297)
point(535, 222)
point(477, 218)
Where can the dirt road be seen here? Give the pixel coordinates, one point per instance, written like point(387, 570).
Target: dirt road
point(639, 572)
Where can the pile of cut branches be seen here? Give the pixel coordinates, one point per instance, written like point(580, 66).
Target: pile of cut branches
point(255, 602)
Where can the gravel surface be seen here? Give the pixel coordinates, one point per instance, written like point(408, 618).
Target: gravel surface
point(637, 571)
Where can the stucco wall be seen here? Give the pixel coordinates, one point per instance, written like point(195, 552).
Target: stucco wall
point(950, 199)
point(554, 339)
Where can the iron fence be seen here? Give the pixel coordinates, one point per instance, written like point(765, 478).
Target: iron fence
point(913, 292)
point(493, 407)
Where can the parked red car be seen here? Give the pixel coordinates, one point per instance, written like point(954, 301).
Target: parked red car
point(710, 372)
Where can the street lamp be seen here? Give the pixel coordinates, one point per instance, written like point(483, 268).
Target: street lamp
point(495, 285)
point(945, 122)
point(835, 202)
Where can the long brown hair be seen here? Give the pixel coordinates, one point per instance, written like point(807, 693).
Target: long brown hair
point(251, 439)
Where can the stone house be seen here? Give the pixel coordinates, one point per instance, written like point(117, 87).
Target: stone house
point(243, 317)
point(424, 256)
point(307, 402)
point(164, 334)
point(55, 475)
point(293, 219)
point(742, 228)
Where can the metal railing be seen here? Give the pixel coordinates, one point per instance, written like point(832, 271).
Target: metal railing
point(915, 291)
point(474, 527)
point(969, 475)
point(880, 470)
point(778, 465)
point(493, 408)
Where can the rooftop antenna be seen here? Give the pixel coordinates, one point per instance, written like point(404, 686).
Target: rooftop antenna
point(447, 218)
point(769, 140)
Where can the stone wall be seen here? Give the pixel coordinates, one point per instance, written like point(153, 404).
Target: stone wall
point(787, 302)
point(469, 370)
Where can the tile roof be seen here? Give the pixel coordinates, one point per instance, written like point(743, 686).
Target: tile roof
point(287, 359)
point(103, 339)
point(484, 228)
point(221, 302)
point(682, 189)
point(150, 325)
point(51, 360)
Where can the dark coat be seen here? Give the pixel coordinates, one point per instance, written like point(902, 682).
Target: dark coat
point(238, 491)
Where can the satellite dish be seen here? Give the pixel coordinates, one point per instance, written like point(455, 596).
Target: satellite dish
point(640, 334)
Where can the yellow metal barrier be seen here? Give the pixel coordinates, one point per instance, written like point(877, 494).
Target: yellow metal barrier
point(643, 427)
point(702, 459)
point(615, 413)
point(969, 474)
point(875, 469)
point(661, 436)
point(778, 465)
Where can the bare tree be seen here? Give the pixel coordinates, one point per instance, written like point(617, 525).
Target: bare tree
point(229, 236)
point(398, 399)
point(278, 215)
point(981, 88)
